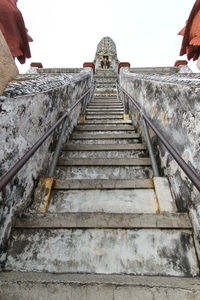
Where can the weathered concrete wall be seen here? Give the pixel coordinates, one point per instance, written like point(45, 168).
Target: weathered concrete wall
point(24, 120)
point(175, 109)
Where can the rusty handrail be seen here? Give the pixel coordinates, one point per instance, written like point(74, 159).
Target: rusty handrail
point(184, 166)
point(17, 167)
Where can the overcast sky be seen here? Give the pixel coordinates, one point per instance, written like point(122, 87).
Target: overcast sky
point(66, 33)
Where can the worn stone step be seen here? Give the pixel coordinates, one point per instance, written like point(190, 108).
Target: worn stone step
point(102, 128)
point(163, 252)
point(95, 117)
point(103, 172)
point(91, 110)
point(100, 112)
point(89, 136)
point(104, 147)
point(108, 105)
point(104, 154)
point(104, 220)
point(104, 162)
point(35, 286)
point(108, 201)
point(92, 122)
point(88, 184)
point(104, 141)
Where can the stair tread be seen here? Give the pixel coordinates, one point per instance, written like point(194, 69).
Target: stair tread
point(87, 279)
point(107, 122)
point(103, 184)
point(104, 220)
point(95, 136)
point(104, 162)
point(102, 128)
point(104, 147)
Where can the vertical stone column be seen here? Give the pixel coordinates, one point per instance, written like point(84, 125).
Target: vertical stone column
point(8, 68)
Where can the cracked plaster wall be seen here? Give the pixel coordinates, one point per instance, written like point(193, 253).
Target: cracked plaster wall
point(23, 121)
point(175, 110)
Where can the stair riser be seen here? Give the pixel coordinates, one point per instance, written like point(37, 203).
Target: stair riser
point(82, 172)
point(141, 252)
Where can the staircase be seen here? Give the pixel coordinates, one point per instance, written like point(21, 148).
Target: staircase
point(111, 231)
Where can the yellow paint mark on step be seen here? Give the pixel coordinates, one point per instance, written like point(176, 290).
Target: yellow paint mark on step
point(46, 185)
point(126, 117)
point(82, 119)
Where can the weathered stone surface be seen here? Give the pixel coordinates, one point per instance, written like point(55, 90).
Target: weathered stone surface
point(175, 109)
point(112, 201)
point(162, 252)
point(8, 68)
point(34, 286)
point(24, 120)
point(104, 220)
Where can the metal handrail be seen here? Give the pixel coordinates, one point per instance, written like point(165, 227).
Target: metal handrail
point(184, 166)
point(17, 167)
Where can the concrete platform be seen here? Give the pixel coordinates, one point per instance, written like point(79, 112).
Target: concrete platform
point(139, 252)
point(110, 201)
point(44, 286)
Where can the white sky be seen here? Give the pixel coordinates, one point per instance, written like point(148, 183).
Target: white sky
point(66, 33)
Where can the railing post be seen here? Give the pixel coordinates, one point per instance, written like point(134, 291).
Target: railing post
point(150, 148)
point(58, 148)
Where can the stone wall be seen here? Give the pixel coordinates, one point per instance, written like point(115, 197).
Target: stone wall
point(174, 107)
point(24, 119)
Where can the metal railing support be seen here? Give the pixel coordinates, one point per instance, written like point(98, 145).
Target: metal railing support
point(58, 148)
point(150, 148)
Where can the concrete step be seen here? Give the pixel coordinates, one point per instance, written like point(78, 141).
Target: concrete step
point(104, 154)
point(108, 201)
point(105, 105)
point(43, 286)
point(155, 252)
point(103, 172)
point(103, 128)
point(96, 117)
point(104, 162)
point(104, 141)
point(100, 112)
point(107, 122)
point(89, 136)
point(104, 147)
point(102, 184)
point(104, 220)
point(91, 110)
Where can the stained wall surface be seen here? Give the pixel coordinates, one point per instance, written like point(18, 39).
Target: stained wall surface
point(24, 119)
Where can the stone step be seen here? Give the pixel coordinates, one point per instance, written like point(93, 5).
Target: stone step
point(103, 128)
point(104, 154)
point(108, 201)
point(106, 122)
point(103, 172)
point(100, 112)
point(106, 105)
point(89, 136)
point(104, 220)
point(104, 162)
point(104, 141)
point(104, 147)
point(35, 286)
point(96, 117)
point(155, 252)
point(102, 184)
point(107, 110)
